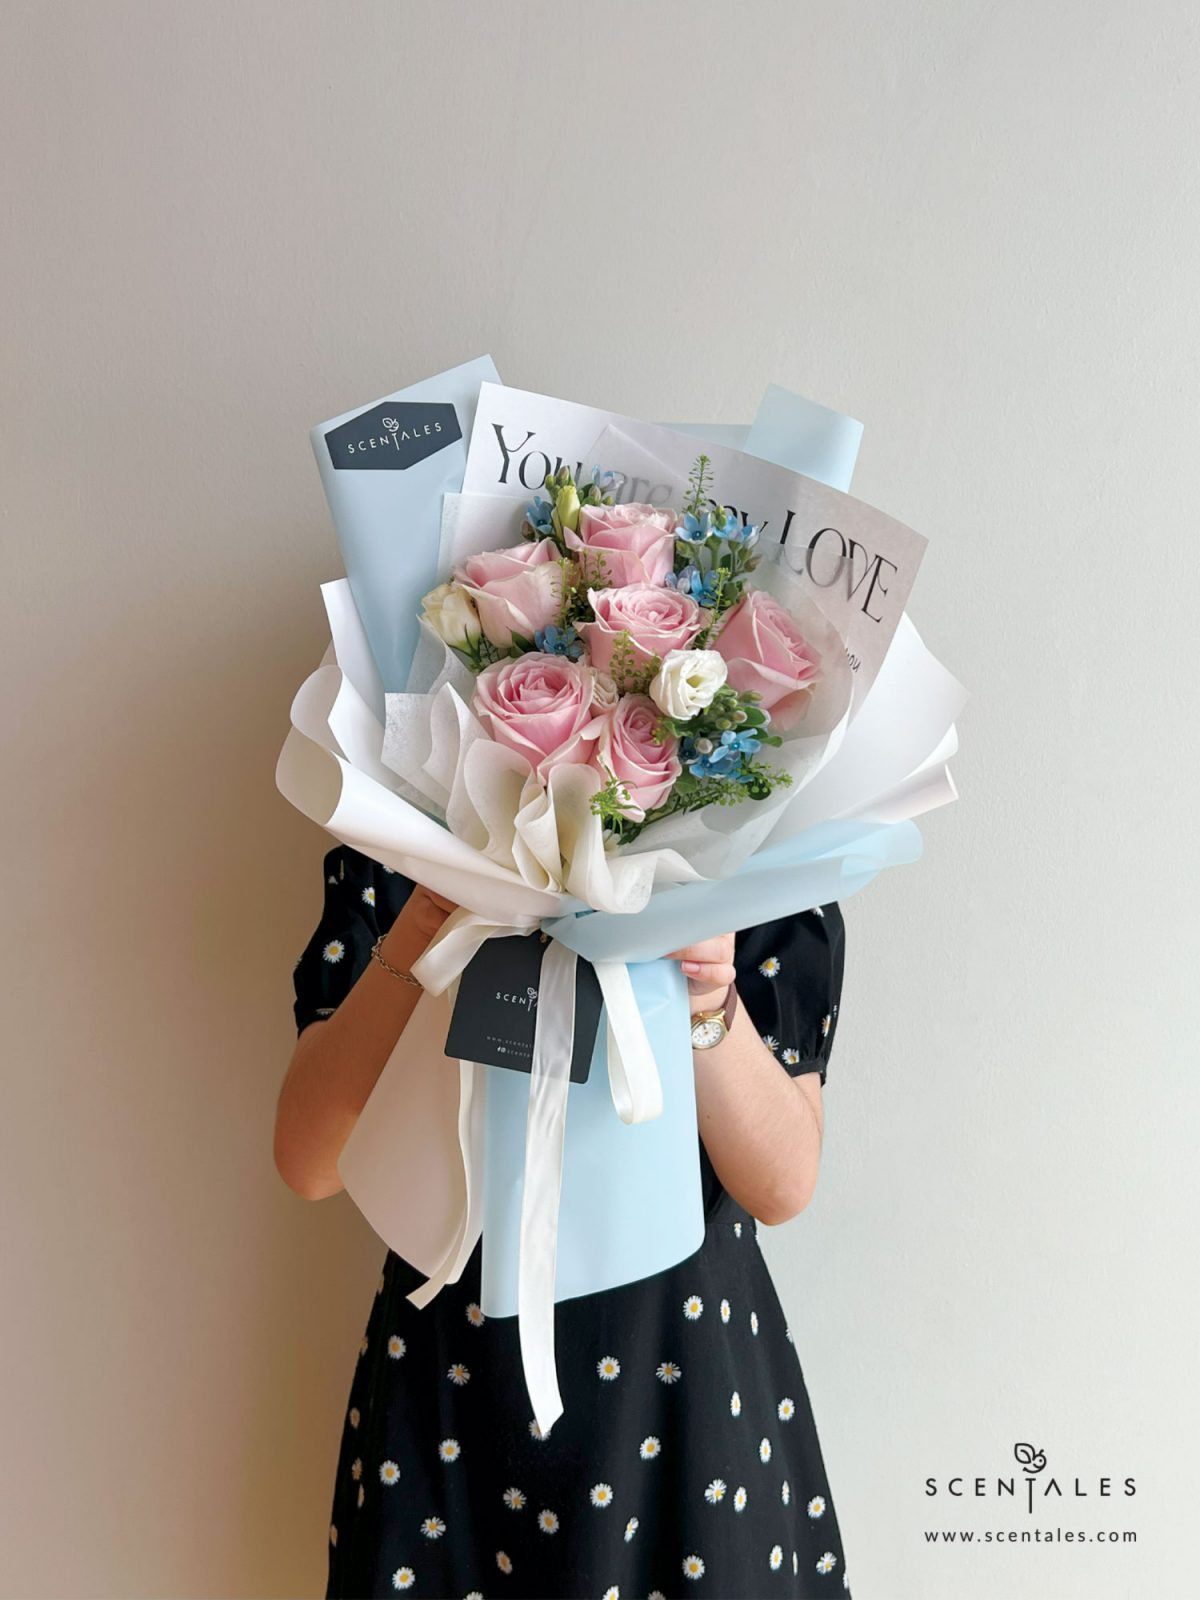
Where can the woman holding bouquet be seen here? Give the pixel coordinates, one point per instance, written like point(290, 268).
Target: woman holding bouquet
point(687, 1460)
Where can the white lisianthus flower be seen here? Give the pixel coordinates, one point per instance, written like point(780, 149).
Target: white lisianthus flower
point(450, 612)
point(687, 681)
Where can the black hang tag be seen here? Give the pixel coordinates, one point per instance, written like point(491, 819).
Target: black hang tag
point(393, 436)
point(496, 1009)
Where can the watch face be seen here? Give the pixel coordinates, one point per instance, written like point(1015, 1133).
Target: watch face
point(707, 1033)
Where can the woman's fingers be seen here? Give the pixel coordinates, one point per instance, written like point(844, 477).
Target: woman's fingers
point(708, 963)
point(709, 974)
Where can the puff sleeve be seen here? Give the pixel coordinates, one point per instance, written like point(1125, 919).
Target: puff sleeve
point(790, 983)
point(362, 901)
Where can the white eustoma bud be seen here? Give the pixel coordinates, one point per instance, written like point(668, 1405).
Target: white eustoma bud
point(687, 682)
point(450, 612)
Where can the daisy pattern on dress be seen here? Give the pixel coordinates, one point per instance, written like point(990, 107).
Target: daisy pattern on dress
point(334, 951)
point(739, 1498)
point(449, 1450)
point(693, 1567)
point(355, 1416)
point(771, 1042)
point(735, 1404)
point(816, 1506)
point(362, 1349)
point(726, 1311)
point(764, 1451)
point(649, 1448)
point(631, 1527)
point(475, 1316)
point(826, 1023)
point(536, 1432)
point(612, 1593)
point(396, 1347)
point(770, 967)
point(368, 895)
point(362, 1494)
point(458, 1374)
point(786, 1409)
point(389, 1472)
point(795, 1564)
point(433, 1527)
point(693, 1308)
point(503, 1561)
point(356, 1468)
point(601, 1495)
point(791, 1057)
point(403, 1578)
point(668, 1372)
point(548, 1521)
point(754, 1322)
point(827, 1562)
point(715, 1492)
point(776, 1557)
point(785, 1492)
point(608, 1368)
point(514, 1499)
point(737, 1230)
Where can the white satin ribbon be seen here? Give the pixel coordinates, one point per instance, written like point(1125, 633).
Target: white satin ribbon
point(541, 1190)
point(637, 1096)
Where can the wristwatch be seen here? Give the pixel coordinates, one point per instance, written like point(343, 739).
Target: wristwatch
point(710, 1027)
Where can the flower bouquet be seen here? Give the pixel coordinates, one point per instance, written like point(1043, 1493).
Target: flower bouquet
point(625, 724)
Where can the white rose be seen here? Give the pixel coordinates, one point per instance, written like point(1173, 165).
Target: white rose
point(450, 612)
point(687, 682)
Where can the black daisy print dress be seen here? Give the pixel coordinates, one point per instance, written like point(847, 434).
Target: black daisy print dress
point(686, 1463)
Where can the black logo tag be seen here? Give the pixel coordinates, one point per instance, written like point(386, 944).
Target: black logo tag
point(496, 1010)
point(393, 436)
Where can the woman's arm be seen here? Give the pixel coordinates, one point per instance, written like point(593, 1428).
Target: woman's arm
point(336, 1063)
point(762, 1129)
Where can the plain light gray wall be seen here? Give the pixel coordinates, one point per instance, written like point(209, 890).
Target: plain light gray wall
point(976, 228)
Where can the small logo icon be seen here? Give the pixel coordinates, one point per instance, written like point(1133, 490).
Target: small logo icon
point(1032, 1459)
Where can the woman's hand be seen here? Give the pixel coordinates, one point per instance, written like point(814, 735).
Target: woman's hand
point(709, 968)
point(419, 920)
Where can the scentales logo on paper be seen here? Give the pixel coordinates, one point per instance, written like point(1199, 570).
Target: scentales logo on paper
point(526, 1001)
point(1028, 1484)
point(393, 436)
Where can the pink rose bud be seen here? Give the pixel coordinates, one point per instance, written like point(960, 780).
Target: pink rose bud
point(619, 545)
point(626, 747)
point(540, 706)
point(767, 654)
point(515, 591)
point(656, 620)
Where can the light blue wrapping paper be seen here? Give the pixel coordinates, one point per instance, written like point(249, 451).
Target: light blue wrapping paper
point(631, 1198)
point(388, 523)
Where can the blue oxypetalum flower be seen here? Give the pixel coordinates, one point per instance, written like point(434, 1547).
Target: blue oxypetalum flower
point(554, 641)
point(702, 586)
point(538, 514)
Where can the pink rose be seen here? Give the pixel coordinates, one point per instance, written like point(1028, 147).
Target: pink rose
point(656, 620)
point(515, 591)
point(626, 747)
point(767, 654)
point(538, 705)
point(620, 545)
